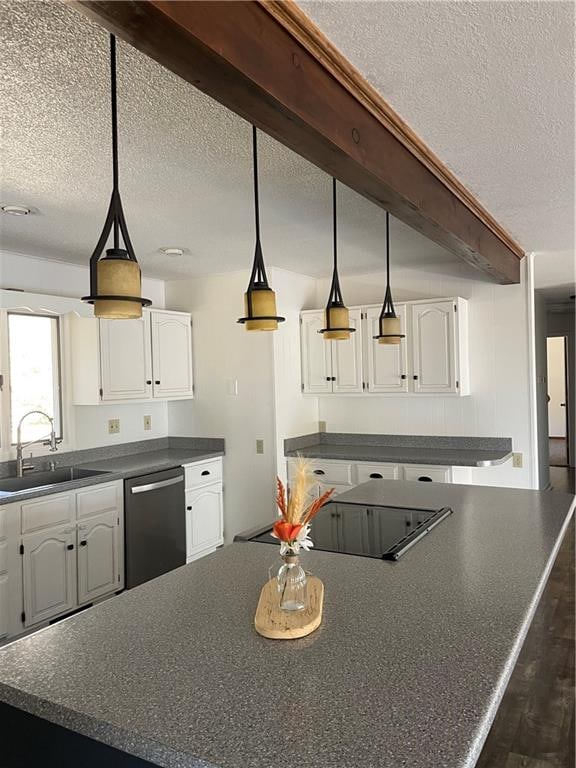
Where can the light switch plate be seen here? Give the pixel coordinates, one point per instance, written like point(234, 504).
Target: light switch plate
point(147, 422)
point(113, 426)
point(259, 446)
point(517, 460)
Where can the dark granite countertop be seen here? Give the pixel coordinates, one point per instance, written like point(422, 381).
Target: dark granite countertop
point(407, 669)
point(405, 455)
point(402, 449)
point(121, 467)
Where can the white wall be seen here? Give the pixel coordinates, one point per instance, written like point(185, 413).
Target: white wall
point(28, 273)
point(296, 414)
point(499, 405)
point(84, 426)
point(540, 361)
point(225, 353)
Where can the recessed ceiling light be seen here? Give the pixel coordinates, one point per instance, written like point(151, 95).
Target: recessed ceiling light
point(16, 210)
point(172, 252)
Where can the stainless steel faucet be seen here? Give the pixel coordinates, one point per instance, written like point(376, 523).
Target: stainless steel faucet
point(50, 440)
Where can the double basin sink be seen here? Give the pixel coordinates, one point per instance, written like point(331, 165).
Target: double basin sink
point(38, 480)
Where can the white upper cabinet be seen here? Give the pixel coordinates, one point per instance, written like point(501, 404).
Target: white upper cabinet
point(347, 358)
point(330, 366)
point(171, 354)
point(432, 359)
point(386, 364)
point(120, 360)
point(125, 361)
point(436, 353)
point(316, 355)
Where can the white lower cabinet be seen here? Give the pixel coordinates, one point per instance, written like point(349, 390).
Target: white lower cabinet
point(344, 475)
point(99, 557)
point(49, 572)
point(204, 508)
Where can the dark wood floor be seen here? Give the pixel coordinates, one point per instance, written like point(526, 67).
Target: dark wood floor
point(534, 727)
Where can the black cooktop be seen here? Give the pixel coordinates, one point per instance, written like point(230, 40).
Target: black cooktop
point(355, 529)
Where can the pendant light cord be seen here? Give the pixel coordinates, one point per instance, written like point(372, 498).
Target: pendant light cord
point(114, 105)
point(334, 225)
point(387, 249)
point(256, 195)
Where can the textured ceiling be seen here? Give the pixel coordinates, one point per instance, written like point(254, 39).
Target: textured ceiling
point(481, 82)
point(489, 86)
point(185, 165)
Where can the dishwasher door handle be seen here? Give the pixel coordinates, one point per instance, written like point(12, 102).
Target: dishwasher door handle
point(159, 484)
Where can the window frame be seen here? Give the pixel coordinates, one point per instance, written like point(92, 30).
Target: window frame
point(63, 420)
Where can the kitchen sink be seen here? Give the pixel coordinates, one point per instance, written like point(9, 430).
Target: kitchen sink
point(42, 479)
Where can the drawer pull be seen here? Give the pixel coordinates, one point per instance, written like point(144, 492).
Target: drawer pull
point(425, 479)
point(205, 472)
point(376, 476)
point(319, 472)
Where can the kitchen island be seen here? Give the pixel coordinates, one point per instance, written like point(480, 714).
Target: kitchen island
point(407, 668)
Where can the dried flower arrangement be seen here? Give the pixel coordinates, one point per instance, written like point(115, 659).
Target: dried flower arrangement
point(296, 511)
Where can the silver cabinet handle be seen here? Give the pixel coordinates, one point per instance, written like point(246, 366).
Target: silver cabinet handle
point(159, 484)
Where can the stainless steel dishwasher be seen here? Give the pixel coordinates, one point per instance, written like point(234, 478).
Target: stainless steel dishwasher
point(155, 525)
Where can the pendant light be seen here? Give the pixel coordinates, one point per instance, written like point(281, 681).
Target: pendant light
point(115, 280)
point(389, 323)
point(259, 299)
point(337, 317)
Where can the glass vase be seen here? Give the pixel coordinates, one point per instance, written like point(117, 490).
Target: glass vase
point(291, 582)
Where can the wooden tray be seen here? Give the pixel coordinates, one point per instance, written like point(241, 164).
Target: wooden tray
point(271, 622)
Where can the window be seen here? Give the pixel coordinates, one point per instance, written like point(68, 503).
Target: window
point(34, 371)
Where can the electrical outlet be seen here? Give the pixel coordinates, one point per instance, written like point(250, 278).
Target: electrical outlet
point(147, 422)
point(517, 460)
point(321, 426)
point(259, 446)
point(113, 426)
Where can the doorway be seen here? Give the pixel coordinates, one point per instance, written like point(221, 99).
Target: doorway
point(558, 418)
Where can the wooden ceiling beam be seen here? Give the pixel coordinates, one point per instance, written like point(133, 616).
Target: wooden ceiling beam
point(268, 62)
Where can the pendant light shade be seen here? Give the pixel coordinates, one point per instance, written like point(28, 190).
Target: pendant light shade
point(115, 280)
point(259, 299)
point(337, 316)
point(389, 323)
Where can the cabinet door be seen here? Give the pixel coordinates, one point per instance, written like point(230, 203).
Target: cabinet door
point(126, 372)
point(434, 364)
point(347, 358)
point(353, 529)
point(171, 354)
point(98, 557)
point(49, 564)
point(315, 355)
point(204, 522)
point(386, 364)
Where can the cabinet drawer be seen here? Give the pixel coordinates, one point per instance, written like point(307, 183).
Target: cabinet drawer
point(97, 499)
point(327, 472)
point(367, 472)
point(49, 510)
point(427, 473)
point(203, 473)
